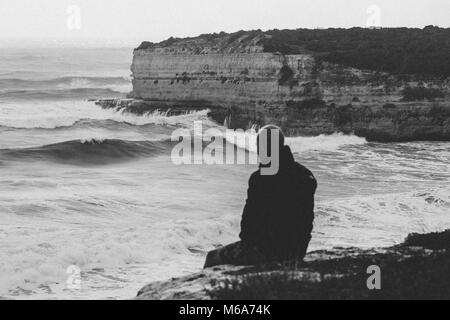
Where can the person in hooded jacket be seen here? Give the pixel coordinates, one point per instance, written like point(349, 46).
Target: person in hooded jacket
point(278, 215)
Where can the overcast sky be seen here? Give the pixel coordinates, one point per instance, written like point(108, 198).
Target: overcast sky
point(154, 20)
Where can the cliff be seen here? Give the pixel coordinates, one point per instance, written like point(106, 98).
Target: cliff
point(244, 81)
point(416, 269)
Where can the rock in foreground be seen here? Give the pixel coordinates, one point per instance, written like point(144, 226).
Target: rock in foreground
point(417, 269)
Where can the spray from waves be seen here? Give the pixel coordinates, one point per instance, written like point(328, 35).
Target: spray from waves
point(381, 220)
point(133, 241)
point(322, 142)
point(92, 124)
point(185, 240)
point(54, 115)
point(92, 151)
point(247, 140)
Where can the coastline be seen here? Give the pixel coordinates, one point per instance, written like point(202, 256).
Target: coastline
point(254, 78)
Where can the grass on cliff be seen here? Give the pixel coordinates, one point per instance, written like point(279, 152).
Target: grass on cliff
point(403, 276)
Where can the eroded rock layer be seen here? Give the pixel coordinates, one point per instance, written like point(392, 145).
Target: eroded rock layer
point(243, 85)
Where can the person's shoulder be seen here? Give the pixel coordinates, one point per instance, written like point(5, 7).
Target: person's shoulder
point(254, 177)
point(302, 169)
point(305, 173)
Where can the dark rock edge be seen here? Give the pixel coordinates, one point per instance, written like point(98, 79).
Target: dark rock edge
point(419, 268)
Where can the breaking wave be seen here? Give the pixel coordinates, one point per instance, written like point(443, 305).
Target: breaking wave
point(324, 142)
point(75, 113)
point(64, 83)
point(333, 142)
point(405, 212)
point(59, 94)
point(142, 221)
point(93, 151)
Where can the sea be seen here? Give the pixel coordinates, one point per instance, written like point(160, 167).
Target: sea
point(93, 207)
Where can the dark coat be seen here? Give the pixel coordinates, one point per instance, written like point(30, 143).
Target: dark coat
point(279, 212)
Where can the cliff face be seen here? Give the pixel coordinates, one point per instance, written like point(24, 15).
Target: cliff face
point(244, 85)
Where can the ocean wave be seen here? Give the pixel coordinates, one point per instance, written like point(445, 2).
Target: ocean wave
point(333, 142)
point(72, 114)
point(138, 242)
point(64, 82)
point(60, 94)
point(323, 142)
point(107, 124)
point(89, 151)
point(380, 220)
point(136, 245)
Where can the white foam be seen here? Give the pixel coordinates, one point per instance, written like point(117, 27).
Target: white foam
point(50, 115)
point(41, 255)
point(323, 142)
point(380, 220)
point(333, 142)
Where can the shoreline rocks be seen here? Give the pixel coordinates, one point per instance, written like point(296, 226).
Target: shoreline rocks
point(416, 269)
point(400, 122)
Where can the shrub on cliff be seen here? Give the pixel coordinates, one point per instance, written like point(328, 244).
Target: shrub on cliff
point(441, 113)
point(421, 93)
point(394, 50)
point(285, 76)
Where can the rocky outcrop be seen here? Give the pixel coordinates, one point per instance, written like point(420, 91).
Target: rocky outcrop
point(416, 269)
point(390, 122)
point(243, 84)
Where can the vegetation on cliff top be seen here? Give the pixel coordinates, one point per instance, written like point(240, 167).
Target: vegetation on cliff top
point(424, 52)
point(394, 50)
